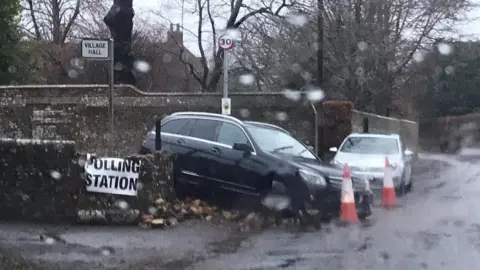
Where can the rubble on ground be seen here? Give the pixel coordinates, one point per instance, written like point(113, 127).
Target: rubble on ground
point(168, 214)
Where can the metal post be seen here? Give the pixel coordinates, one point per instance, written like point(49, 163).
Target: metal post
point(110, 98)
point(225, 73)
point(316, 127)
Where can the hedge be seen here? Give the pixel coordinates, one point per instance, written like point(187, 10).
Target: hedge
point(338, 121)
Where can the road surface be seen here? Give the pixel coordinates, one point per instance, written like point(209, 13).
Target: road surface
point(435, 227)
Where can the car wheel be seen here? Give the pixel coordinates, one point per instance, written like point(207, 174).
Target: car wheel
point(402, 189)
point(410, 185)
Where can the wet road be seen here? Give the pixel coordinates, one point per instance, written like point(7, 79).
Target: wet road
point(434, 227)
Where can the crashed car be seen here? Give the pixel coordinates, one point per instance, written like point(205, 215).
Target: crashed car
point(223, 153)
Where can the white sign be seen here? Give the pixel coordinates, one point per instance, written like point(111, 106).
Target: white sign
point(112, 175)
point(95, 49)
point(225, 42)
point(226, 106)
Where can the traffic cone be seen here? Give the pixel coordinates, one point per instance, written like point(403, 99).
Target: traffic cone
point(389, 197)
point(348, 211)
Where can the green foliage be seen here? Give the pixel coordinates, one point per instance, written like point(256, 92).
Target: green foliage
point(451, 81)
point(9, 39)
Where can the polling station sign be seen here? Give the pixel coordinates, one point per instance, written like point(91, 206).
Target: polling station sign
point(112, 175)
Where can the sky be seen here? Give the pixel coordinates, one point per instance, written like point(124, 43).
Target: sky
point(171, 12)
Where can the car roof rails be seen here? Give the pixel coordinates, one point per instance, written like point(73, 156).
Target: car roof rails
point(267, 125)
point(216, 115)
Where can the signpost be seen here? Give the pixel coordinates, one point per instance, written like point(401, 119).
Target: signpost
point(226, 43)
point(102, 50)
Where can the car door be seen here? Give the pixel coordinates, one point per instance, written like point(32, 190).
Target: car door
point(407, 161)
point(200, 146)
point(236, 170)
point(170, 131)
point(174, 133)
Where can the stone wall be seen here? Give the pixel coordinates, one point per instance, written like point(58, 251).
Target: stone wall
point(380, 124)
point(43, 180)
point(449, 134)
point(80, 113)
point(38, 180)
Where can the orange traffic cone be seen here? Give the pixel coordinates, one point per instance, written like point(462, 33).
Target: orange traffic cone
point(389, 197)
point(348, 211)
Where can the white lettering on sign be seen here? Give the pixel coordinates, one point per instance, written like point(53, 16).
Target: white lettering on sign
point(112, 175)
point(95, 49)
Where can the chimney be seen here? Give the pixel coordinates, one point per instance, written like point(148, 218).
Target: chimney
point(175, 36)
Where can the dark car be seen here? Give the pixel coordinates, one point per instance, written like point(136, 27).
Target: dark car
point(223, 153)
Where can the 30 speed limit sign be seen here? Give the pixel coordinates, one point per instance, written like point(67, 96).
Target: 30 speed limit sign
point(225, 42)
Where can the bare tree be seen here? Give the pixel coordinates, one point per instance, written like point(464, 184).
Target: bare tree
point(369, 46)
point(50, 19)
point(209, 13)
point(90, 20)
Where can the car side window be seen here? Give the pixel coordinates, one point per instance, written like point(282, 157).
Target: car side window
point(204, 129)
point(229, 134)
point(185, 130)
point(174, 126)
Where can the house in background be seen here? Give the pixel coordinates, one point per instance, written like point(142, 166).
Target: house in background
point(62, 64)
point(176, 60)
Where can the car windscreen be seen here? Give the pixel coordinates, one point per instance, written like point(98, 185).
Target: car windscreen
point(276, 141)
point(370, 145)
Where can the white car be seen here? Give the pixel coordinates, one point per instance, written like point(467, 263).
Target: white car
point(365, 154)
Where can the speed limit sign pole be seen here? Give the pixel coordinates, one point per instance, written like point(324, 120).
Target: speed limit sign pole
point(226, 43)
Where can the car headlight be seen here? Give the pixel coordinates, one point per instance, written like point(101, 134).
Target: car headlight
point(312, 178)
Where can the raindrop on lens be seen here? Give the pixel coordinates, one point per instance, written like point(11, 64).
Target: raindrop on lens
point(152, 210)
point(73, 74)
point(142, 66)
point(167, 58)
point(281, 116)
point(444, 48)
point(449, 70)
point(76, 63)
point(49, 241)
point(55, 175)
point(292, 94)
point(234, 34)
point(296, 19)
point(246, 79)
point(315, 95)
point(122, 204)
point(245, 113)
point(297, 68)
point(418, 57)
point(362, 46)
